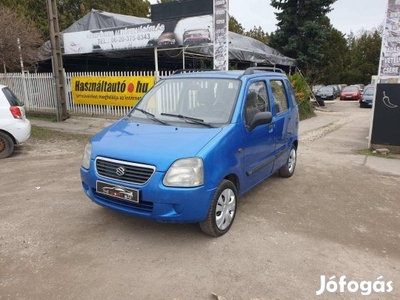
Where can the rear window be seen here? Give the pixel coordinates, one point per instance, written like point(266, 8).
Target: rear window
point(12, 98)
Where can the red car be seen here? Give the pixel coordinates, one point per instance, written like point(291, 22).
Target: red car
point(351, 92)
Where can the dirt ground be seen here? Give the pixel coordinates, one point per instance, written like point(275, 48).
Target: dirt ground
point(334, 217)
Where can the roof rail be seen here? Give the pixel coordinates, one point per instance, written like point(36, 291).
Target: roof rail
point(181, 71)
point(252, 70)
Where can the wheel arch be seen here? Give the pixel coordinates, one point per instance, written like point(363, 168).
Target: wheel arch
point(235, 180)
point(9, 134)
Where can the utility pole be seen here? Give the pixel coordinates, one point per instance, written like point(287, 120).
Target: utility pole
point(57, 61)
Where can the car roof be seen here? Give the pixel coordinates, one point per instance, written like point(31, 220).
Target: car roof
point(233, 74)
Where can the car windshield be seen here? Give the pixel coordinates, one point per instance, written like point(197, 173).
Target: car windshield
point(350, 89)
point(326, 89)
point(190, 101)
point(369, 91)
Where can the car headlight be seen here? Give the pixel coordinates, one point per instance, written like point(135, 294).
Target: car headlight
point(187, 172)
point(86, 156)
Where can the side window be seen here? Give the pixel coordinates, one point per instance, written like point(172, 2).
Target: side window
point(256, 100)
point(292, 93)
point(279, 95)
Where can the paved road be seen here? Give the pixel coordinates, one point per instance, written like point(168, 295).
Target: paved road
point(337, 216)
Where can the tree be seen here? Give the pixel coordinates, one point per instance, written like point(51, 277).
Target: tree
point(72, 10)
point(235, 26)
point(364, 57)
point(258, 34)
point(302, 30)
point(17, 32)
point(335, 59)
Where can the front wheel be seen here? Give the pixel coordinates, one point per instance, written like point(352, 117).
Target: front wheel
point(288, 169)
point(222, 210)
point(6, 145)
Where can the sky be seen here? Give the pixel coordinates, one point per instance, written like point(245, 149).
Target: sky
point(347, 15)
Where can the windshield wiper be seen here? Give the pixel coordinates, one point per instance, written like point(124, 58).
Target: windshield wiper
point(150, 116)
point(189, 120)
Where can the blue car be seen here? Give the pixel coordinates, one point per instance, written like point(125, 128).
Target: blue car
point(193, 144)
point(367, 97)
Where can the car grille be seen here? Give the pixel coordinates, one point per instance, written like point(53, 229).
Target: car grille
point(143, 206)
point(124, 171)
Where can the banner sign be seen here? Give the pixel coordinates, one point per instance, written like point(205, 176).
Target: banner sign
point(191, 31)
point(390, 50)
point(116, 91)
point(386, 121)
point(221, 54)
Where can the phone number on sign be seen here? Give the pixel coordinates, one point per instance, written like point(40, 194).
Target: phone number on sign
point(130, 38)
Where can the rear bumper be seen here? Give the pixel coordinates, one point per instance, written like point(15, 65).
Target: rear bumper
point(20, 130)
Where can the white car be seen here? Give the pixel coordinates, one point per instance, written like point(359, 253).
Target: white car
point(15, 128)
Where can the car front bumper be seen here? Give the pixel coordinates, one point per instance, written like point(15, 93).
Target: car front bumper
point(156, 201)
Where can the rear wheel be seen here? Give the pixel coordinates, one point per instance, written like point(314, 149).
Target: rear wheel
point(6, 145)
point(222, 210)
point(288, 169)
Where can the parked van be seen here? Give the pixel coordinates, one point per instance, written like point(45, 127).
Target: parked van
point(193, 144)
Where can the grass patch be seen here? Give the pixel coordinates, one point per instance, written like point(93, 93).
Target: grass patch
point(46, 134)
point(370, 152)
point(41, 116)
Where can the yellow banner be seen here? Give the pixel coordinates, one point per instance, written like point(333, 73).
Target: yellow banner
point(118, 91)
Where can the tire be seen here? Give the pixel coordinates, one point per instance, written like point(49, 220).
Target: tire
point(222, 211)
point(288, 169)
point(6, 145)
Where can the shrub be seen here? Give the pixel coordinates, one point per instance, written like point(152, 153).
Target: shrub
point(303, 94)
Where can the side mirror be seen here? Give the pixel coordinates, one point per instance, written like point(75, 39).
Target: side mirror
point(260, 118)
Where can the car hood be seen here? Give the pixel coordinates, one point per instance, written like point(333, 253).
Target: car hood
point(153, 144)
point(368, 97)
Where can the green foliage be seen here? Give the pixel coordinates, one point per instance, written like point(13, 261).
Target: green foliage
point(70, 11)
point(19, 39)
point(335, 59)
point(258, 34)
point(301, 30)
point(363, 59)
point(235, 26)
point(45, 134)
point(303, 94)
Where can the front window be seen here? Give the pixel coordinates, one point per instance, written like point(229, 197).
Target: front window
point(190, 100)
point(256, 101)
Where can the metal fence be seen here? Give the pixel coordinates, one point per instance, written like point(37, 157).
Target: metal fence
point(37, 91)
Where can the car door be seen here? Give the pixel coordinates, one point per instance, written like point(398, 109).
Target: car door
point(259, 143)
point(282, 118)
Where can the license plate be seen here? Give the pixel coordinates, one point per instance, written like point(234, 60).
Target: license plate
point(117, 191)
